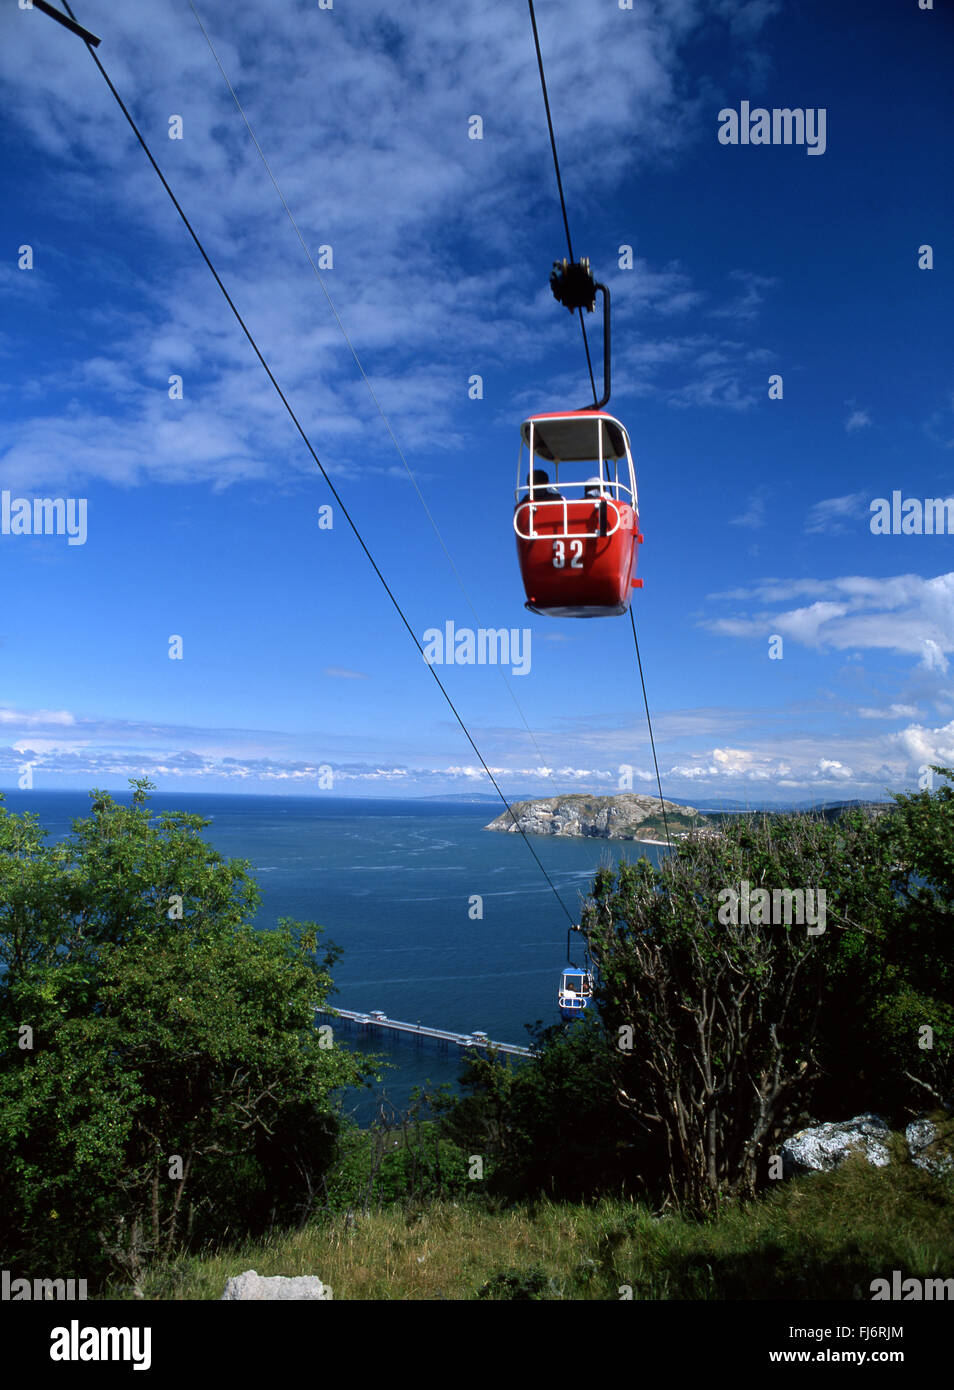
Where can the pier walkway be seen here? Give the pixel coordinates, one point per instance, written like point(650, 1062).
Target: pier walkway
point(377, 1019)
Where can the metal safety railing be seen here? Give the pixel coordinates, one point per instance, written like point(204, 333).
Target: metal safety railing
point(601, 507)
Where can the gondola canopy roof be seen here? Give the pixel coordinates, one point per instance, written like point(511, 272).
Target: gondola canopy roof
point(572, 437)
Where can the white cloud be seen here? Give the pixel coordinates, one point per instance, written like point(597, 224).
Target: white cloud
point(932, 656)
point(723, 387)
point(906, 614)
point(754, 514)
point(746, 305)
point(831, 514)
point(761, 772)
point(47, 746)
point(830, 770)
point(857, 420)
point(36, 718)
point(933, 747)
point(746, 19)
point(690, 370)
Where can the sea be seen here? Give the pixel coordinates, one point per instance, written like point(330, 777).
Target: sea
point(440, 920)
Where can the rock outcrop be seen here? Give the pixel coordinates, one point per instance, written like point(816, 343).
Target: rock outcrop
point(928, 1150)
point(254, 1287)
point(629, 816)
point(824, 1147)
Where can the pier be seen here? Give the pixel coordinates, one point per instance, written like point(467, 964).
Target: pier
point(465, 1041)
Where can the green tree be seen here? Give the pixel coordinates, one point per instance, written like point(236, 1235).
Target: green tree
point(161, 1079)
point(724, 1029)
point(550, 1125)
point(912, 1013)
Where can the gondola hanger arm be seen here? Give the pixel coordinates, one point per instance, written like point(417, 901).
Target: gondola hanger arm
point(575, 288)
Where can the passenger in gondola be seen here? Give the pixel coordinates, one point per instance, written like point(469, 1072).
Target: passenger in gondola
point(542, 492)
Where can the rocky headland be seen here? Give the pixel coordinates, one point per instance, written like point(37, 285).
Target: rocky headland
point(627, 816)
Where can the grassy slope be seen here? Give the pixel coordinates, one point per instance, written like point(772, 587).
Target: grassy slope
point(825, 1236)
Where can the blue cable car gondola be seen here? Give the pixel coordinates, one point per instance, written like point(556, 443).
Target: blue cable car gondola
point(576, 992)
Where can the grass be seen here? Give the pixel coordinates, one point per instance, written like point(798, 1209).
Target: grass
point(823, 1236)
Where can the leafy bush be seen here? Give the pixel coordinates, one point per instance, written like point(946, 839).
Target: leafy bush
point(401, 1158)
point(161, 1081)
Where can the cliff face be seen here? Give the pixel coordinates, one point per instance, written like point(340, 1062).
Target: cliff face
point(629, 816)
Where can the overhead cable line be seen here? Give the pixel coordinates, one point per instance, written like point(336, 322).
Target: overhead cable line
point(556, 165)
point(297, 423)
point(652, 742)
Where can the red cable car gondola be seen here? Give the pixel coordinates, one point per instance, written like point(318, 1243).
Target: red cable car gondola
point(577, 533)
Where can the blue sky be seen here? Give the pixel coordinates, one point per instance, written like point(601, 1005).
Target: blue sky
point(203, 513)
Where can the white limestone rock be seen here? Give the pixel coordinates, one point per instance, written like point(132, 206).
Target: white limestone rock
point(626, 816)
point(825, 1147)
point(253, 1287)
point(922, 1137)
